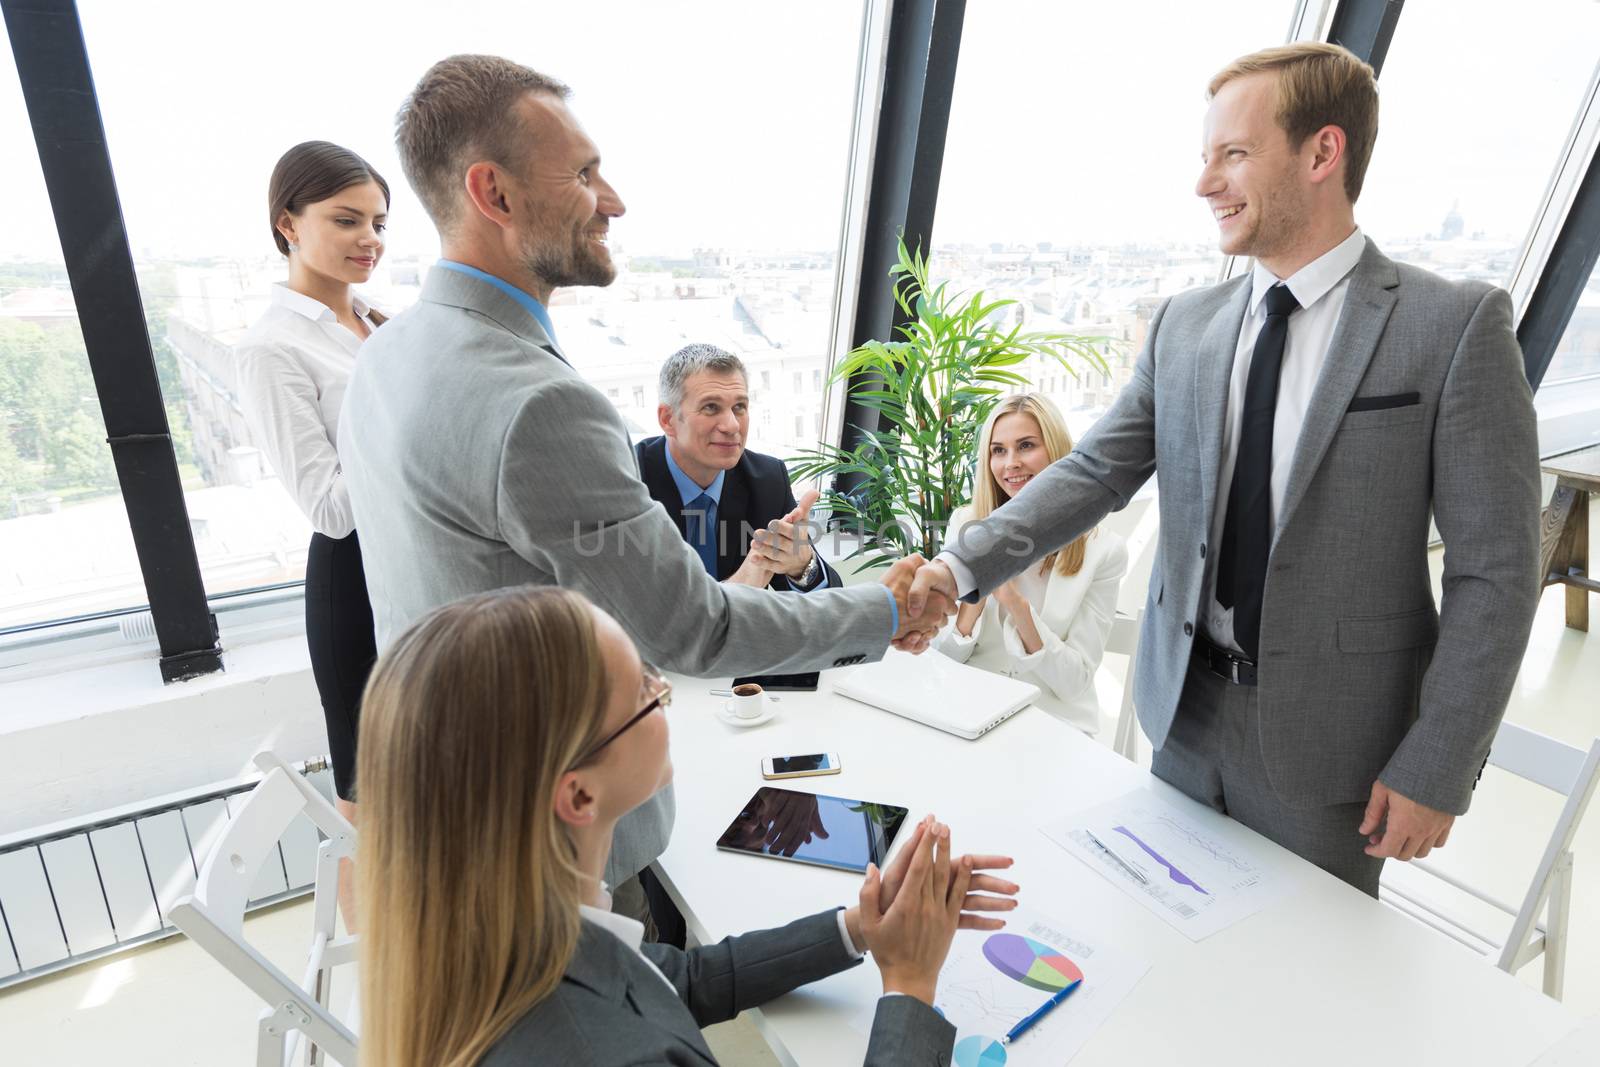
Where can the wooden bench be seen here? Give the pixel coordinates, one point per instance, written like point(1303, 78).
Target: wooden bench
point(1564, 531)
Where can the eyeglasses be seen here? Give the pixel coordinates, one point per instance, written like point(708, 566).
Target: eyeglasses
point(661, 691)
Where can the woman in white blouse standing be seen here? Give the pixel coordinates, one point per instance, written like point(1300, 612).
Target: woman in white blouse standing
point(328, 209)
point(1049, 624)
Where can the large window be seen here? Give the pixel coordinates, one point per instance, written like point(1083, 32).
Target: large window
point(1568, 399)
point(65, 545)
point(1477, 99)
point(729, 148)
point(1070, 164)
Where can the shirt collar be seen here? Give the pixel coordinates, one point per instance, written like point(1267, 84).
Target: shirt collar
point(521, 296)
point(1316, 279)
point(686, 485)
point(310, 307)
point(629, 931)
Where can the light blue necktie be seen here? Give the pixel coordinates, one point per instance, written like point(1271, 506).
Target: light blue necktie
point(700, 516)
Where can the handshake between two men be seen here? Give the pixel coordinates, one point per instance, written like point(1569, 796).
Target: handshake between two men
point(924, 593)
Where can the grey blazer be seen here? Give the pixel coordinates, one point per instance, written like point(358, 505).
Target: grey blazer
point(1422, 410)
point(610, 1011)
point(477, 458)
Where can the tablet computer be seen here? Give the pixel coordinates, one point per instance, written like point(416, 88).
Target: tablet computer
point(811, 828)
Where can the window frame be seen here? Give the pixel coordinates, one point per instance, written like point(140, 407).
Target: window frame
point(58, 90)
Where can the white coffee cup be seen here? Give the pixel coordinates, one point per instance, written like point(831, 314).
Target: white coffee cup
point(749, 701)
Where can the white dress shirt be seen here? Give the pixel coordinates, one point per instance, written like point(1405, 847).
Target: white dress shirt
point(294, 365)
point(1320, 287)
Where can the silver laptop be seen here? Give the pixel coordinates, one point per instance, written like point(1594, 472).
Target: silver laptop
point(937, 691)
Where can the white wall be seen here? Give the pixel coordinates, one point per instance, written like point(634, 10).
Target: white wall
point(89, 739)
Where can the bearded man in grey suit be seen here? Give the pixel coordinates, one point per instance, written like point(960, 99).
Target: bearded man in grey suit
point(478, 457)
point(1306, 419)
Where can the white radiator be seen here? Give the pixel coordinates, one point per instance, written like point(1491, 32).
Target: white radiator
point(75, 892)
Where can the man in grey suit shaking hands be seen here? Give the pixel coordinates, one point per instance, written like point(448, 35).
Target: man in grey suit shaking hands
point(480, 458)
point(1306, 419)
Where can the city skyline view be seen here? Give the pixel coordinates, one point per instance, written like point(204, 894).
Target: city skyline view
point(1065, 187)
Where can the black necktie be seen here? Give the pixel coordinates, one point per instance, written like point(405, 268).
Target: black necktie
point(1247, 530)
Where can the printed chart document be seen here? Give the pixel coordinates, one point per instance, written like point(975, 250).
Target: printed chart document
point(991, 981)
point(1200, 877)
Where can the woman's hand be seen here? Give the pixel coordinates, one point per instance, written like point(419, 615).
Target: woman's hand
point(986, 893)
point(910, 939)
point(967, 616)
point(1021, 614)
point(1010, 597)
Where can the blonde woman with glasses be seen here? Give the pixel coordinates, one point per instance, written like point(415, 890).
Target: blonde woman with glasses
point(503, 736)
point(1049, 624)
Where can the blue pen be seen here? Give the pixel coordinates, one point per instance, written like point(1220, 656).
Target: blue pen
point(1039, 1013)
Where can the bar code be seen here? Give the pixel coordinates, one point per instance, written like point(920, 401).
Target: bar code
point(1184, 909)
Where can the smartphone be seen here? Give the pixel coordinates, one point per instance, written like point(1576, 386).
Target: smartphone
point(782, 683)
point(774, 767)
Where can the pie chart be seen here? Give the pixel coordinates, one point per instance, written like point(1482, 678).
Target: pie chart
point(979, 1051)
point(1033, 963)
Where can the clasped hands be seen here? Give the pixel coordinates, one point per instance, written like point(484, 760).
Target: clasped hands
point(783, 547)
point(924, 593)
point(909, 910)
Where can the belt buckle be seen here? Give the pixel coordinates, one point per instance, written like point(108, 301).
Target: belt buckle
point(1233, 668)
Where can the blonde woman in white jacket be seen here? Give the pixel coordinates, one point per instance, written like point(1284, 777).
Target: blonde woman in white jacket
point(1049, 624)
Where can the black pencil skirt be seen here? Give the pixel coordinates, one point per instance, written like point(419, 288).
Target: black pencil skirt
point(343, 645)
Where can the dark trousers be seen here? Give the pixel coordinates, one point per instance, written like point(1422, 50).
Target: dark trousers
point(343, 646)
point(1213, 753)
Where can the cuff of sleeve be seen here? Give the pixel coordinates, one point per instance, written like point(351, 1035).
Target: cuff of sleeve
point(894, 612)
point(965, 582)
point(845, 938)
point(821, 583)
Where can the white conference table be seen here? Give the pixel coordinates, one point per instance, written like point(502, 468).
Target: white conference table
point(1324, 976)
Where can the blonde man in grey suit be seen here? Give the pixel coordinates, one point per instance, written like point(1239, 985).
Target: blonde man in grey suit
point(1306, 419)
point(478, 457)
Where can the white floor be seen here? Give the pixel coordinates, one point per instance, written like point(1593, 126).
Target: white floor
point(169, 1004)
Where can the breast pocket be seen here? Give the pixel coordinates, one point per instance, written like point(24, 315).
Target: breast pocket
point(1380, 418)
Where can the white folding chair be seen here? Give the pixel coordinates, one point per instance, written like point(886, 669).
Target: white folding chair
point(297, 1018)
point(1124, 640)
point(1557, 766)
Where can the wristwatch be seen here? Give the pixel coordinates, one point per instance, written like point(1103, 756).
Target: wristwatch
point(812, 573)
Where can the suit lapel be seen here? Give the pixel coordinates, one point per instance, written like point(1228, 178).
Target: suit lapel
point(658, 480)
point(1367, 304)
point(614, 972)
point(1213, 369)
point(732, 511)
point(651, 1000)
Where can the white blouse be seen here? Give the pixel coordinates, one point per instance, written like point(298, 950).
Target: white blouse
point(294, 365)
point(1073, 614)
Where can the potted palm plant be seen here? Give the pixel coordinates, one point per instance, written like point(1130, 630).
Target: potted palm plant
point(932, 389)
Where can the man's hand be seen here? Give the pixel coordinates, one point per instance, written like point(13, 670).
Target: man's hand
point(929, 600)
point(784, 547)
point(1410, 830)
point(752, 572)
point(932, 581)
point(920, 623)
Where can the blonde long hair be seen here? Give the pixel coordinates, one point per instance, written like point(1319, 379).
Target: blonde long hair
point(468, 886)
point(986, 491)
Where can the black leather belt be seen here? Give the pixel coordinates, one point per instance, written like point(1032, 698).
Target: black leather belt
point(1225, 664)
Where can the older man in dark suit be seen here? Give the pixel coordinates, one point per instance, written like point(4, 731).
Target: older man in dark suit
point(734, 507)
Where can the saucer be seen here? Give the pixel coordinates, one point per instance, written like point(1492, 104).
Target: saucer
point(727, 715)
